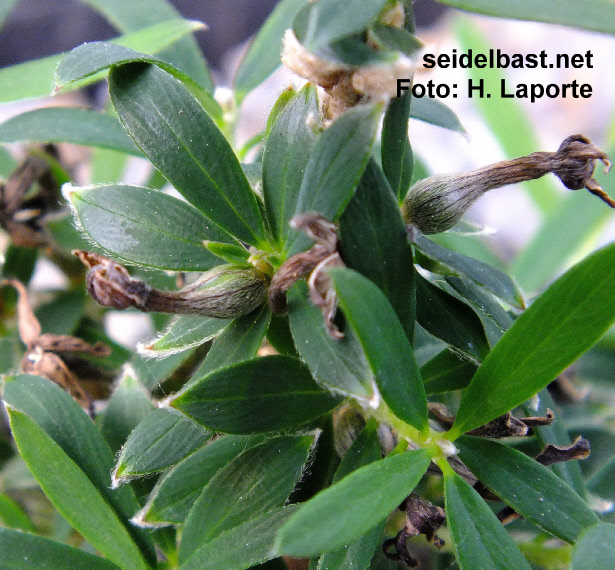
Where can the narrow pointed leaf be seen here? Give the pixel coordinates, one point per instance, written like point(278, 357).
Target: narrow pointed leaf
point(564, 322)
point(263, 55)
point(222, 552)
point(146, 226)
point(286, 155)
point(335, 167)
point(531, 489)
point(68, 124)
point(12, 515)
point(266, 394)
point(445, 372)
point(432, 111)
point(479, 538)
point(347, 510)
point(73, 494)
point(23, 551)
point(162, 439)
point(173, 496)
point(182, 141)
point(256, 481)
point(381, 335)
point(596, 548)
point(337, 364)
point(374, 243)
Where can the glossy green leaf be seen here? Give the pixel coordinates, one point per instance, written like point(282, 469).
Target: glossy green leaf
point(183, 142)
point(238, 342)
point(73, 494)
point(229, 252)
point(374, 243)
point(36, 78)
point(434, 112)
point(479, 538)
point(446, 372)
point(127, 407)
point(347, 510)
point(335, 167)
point(68, 124)
point(263, 55)
point(22, 551)
point(396, 39)
point(596, 548)
point(451, 262)
point(12, 515)
point(595, 15)
point(337, 364)
point(174, 494)
point(256, 481)
point(162, 439)
point(381, 334)
point(332, 20)
point(395, 150)
point(562, 324)
point(531, 489)
point(450, 319)
point(286, 155)
point(507, 119)
point(154, 374)
point(222, 552)
point(356, 555)
point(135, 15)
point(184, 332)
point(146, 226)
point(59, 418)
point(266, 394)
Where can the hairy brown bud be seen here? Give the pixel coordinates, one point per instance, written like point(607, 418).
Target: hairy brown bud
point(436, 204)
point(226, 291)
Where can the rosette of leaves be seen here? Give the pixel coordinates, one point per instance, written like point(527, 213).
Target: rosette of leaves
point(305, 454)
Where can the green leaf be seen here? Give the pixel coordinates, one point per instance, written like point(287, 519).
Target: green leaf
point(347, 510)
point(36, 78)
point(446, 372)
point(137, 14)
point(73, 494)
point(68, 124)
point(238, 342)
point(395, 39)
point(531, 489)
point(434, 112)
point(381, 334)
point(184, 332)
point(595, 15)
point(263, 55)
point(183, 142)
point(63, 313)
point(479, 538)
point(374, 243)
point(337, 364)
point(13, 516)
point(127, 407)
point(265, 394)
point(286, 155)
point(335, 167)
point(60, 419)
point(450, 319)
point(450, 262)
point(507, 119)
point(356, 555)
point(222, 551)
point(562, 324)
point(395, 150)
point(174, 494)
point(22, 550)
point(145, 226)
point(162, 439)
point(256, 481)
point(332, 20)
point(596, 548)
point(229, 252)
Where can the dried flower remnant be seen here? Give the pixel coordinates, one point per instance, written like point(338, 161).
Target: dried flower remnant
point(42, 358)
point(226, 291)
point(437, 203)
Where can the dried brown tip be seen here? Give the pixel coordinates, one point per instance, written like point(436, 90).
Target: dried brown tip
point(66, 343)
point(29, 327)
point(551, 454)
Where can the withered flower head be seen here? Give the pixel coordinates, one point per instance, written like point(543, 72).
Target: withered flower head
point(226, 291)
point(436, 204)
